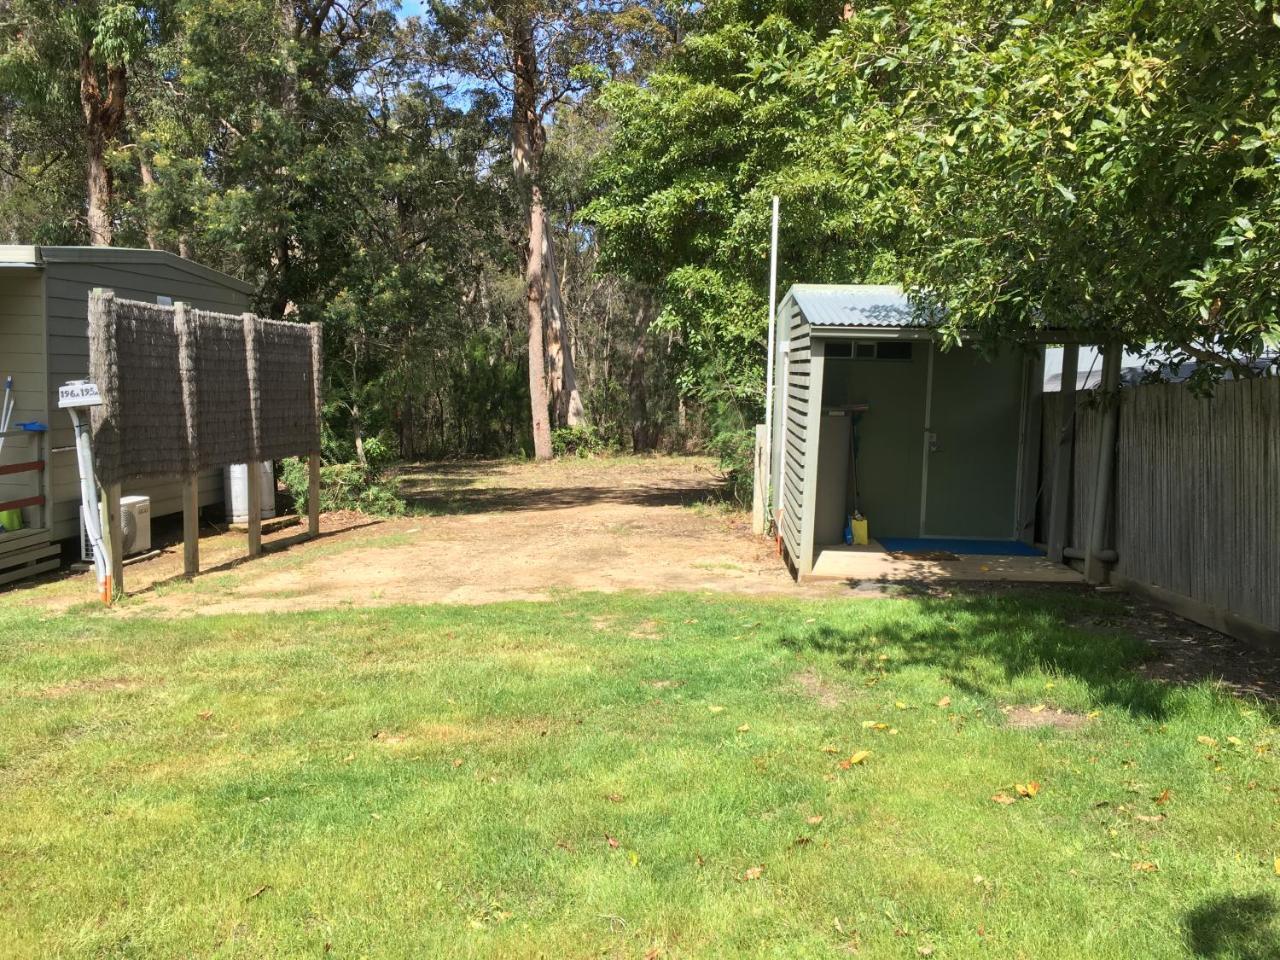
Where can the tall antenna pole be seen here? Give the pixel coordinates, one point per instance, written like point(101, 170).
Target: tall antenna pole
point(773, 325)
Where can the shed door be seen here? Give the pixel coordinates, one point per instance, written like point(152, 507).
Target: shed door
point(972, 439)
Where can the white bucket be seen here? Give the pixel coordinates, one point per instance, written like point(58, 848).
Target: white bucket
point(235, 492)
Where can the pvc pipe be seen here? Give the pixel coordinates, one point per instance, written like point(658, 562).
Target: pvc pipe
point(89, 505)
point(773, 326)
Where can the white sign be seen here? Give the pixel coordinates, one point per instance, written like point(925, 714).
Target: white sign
point(79, 393)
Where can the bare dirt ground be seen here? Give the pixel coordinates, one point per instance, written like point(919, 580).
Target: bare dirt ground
point(481, 532)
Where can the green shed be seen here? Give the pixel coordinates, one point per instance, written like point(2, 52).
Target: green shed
point(44, 342)
point(870, 412)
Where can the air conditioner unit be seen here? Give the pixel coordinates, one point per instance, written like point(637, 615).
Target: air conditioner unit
point(135, 528)
point(135, 524)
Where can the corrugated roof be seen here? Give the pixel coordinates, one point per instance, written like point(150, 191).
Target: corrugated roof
point(855, 305)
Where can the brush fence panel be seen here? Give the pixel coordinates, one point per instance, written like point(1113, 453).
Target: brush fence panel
point(186, 390)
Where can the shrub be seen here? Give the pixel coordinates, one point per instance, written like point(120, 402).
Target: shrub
point(583, 440)
point(735, 449)
point(344, 486)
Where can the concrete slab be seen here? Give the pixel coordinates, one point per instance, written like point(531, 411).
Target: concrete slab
point(873, 563)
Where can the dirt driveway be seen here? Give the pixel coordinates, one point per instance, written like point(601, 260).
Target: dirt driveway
point(482, 532)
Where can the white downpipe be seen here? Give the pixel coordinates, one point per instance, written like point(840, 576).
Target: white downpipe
point(89, 504)
point(773, 326)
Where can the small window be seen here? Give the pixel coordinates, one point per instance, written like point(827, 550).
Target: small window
point(866, 351)
point(840, 349)
point(893, 350)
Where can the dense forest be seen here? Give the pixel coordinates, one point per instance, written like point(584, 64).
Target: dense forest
point(529, 223)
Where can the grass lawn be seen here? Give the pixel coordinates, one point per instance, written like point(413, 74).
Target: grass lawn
point(629, 776)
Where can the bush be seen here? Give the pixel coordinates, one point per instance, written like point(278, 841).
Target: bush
point(735, 449)
point(583, 440)
point(344, 486)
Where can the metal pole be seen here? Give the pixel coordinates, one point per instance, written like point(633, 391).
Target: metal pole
point(773, 324)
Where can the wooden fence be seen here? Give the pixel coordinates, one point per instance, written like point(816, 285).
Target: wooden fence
point(1197, 496)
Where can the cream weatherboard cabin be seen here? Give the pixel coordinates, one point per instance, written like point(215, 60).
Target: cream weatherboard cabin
point(44, 342)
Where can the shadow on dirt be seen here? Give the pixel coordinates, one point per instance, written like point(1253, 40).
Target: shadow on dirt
point(464, 488)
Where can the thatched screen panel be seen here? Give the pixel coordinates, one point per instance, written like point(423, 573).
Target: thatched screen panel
point(186, 390)
point(285, 396)
point(222, 418)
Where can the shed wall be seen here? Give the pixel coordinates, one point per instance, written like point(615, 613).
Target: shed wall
point(796, 412)
point(67, 286)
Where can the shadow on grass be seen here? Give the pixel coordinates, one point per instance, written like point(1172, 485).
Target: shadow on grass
point(1238, 927)
point(982, 643)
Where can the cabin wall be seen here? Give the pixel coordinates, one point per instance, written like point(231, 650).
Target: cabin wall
point(22, 356)
point(67, 286)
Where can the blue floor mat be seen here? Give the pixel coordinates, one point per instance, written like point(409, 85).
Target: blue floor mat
point(977, 548)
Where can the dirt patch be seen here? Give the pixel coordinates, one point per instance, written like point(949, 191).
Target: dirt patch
point(1032, 718)
point(486, 532)
point(813, 686)
point(98, 685)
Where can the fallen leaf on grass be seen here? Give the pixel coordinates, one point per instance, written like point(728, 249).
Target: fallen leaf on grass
point(348, 758)
point(1038, 708)
point(612, 842)
point(944, 702)
point(753, 873)
point(1207, 741)
point(1163, 798)
point(716, 708)
point(801, 841)
point(1027, 790)
point(857, 758)
point(1003, 798)
point(615, 797)
point(259, 892)
point(205, 714)
point(1144, 818)
point(1278, 866)
point(927, 951)
point(457, 762)
point(1145, 866)
point(829, 748)
point(874, 725)
point(814, 820)
point(1235, 741)
point(900, 705)
point(743, 728)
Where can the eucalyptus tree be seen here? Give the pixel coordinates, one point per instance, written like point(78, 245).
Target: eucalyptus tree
point(542, 55)
point(58, 60)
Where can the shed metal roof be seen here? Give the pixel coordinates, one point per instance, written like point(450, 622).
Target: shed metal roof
point(856, 305)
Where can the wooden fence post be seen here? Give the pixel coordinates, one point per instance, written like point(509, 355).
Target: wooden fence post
point(1095, 569)
point(115, 536)
point(191, 525)
point(1059, 504)
point(313, 494)
point(317, 411)
point(760, 480)
point(254, 468)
